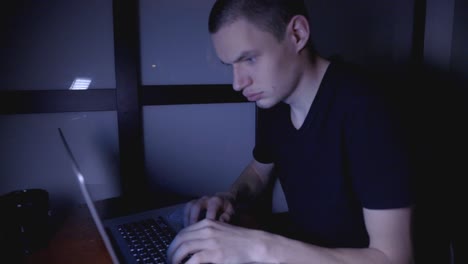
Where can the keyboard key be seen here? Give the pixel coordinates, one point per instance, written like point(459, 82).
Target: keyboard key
point(148, 239)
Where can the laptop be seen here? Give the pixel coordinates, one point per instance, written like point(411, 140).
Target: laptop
point(142, 237)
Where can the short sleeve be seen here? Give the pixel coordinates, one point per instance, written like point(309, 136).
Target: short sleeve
point(378, 154)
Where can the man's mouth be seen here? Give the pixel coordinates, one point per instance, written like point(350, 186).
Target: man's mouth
point(254, 96)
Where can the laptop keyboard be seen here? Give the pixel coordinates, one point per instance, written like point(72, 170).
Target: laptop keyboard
point(148, 239)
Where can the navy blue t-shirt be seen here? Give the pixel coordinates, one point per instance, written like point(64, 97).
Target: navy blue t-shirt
point(349, 153)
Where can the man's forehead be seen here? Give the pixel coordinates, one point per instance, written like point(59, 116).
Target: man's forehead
point(239, 38)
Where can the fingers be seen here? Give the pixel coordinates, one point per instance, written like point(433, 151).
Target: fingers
point(228, 212)
point(189, 250)
point(213, 206)
point(200, 243)
point(205, 256)
point(191, 239)
point(194, 212)
point(190, 209)
point(183, 251)
point(225, 218)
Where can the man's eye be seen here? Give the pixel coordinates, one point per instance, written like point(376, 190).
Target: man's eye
point(251, 60)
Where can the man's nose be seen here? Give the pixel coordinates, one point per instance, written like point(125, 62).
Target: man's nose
point(240, 79)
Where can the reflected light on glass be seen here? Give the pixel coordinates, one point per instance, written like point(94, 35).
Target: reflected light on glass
point(80, 84)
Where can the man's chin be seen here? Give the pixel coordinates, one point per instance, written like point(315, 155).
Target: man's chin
point(263, 104)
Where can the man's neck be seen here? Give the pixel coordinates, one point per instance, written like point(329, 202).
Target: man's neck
point(304, 94)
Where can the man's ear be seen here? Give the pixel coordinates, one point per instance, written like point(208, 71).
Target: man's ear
point(298, 32)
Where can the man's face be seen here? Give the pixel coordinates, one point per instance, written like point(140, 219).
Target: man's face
point(264, 69)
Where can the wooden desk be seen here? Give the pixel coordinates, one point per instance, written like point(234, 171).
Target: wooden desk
point(76, 241)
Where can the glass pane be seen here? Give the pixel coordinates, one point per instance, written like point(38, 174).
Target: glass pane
point(365, 32)
point(33, 155)
point(50, 44)
point(198, 149)
point(460, 40)
point(176, 46)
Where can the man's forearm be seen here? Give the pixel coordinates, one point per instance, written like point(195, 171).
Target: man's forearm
point(248, 186)
point(279, 249)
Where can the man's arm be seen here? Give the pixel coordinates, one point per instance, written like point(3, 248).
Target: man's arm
point(211, 241)
point(390, 243)
point(251, 182)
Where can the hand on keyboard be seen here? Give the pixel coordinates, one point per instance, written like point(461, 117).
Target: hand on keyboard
point(219, 207)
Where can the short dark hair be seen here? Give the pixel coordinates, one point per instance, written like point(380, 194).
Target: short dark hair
point(270, 15)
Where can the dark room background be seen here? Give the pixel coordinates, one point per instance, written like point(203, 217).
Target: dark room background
point(158, 110)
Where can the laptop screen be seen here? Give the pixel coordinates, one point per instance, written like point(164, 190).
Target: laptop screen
point(89, 202)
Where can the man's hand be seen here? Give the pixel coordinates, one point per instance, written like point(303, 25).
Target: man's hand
point(218, 207)
point(211, 241)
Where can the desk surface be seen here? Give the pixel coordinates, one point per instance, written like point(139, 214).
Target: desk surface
point(76, 238)
point(77, 241)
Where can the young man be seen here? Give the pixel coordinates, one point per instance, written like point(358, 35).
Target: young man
point(327, 135)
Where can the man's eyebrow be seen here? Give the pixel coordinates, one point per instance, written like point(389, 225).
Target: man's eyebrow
point(242, 56)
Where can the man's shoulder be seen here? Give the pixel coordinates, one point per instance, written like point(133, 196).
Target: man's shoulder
point(354, 83)
point(353, 78)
